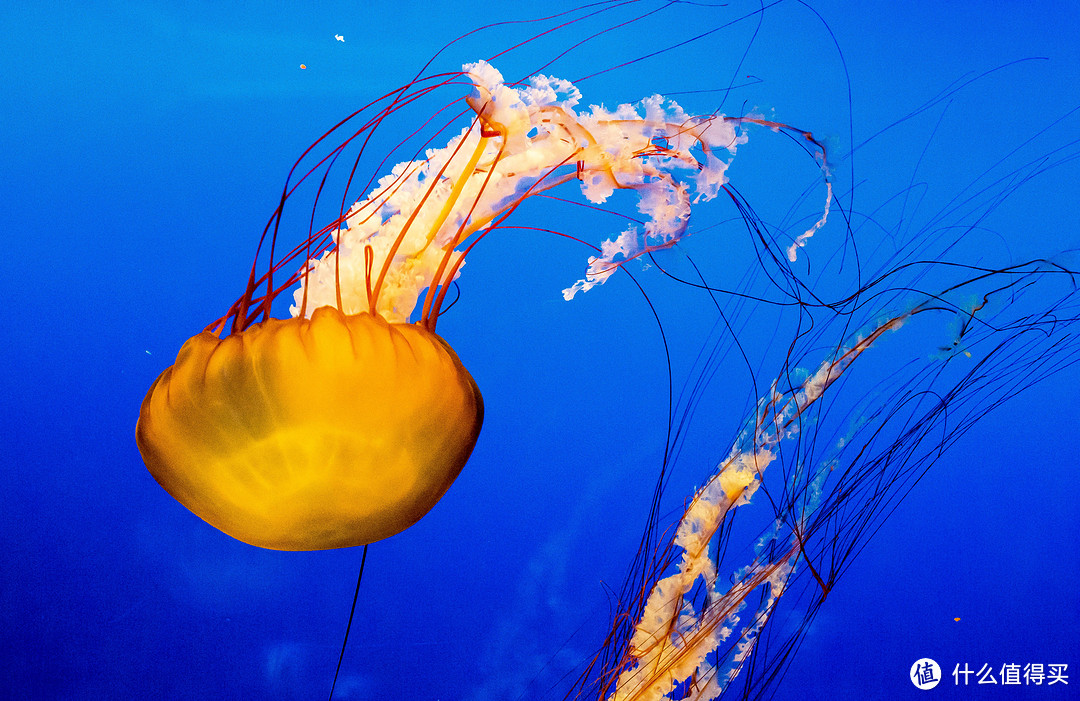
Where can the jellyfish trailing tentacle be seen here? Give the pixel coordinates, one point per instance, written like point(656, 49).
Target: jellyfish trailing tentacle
point(689, 635)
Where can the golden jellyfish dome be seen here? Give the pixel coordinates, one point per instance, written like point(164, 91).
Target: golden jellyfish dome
point(305, 434)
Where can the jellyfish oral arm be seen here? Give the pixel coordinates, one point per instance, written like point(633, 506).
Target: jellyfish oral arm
point(672, 641)
point(408, 231)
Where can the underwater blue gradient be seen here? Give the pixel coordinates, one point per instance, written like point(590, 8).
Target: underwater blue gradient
point(145, 145)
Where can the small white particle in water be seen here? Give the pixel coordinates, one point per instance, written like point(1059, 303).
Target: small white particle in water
point(339, 37)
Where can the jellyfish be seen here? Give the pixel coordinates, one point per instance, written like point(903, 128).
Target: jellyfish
point(346, 423)
point(692, 620)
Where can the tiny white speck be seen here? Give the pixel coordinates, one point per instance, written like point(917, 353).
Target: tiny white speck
point(339, 37)
point(148, 352)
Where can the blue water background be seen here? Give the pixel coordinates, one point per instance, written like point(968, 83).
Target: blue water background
point(144, 146)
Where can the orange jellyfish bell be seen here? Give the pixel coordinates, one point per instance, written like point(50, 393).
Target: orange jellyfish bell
point(306, 434)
